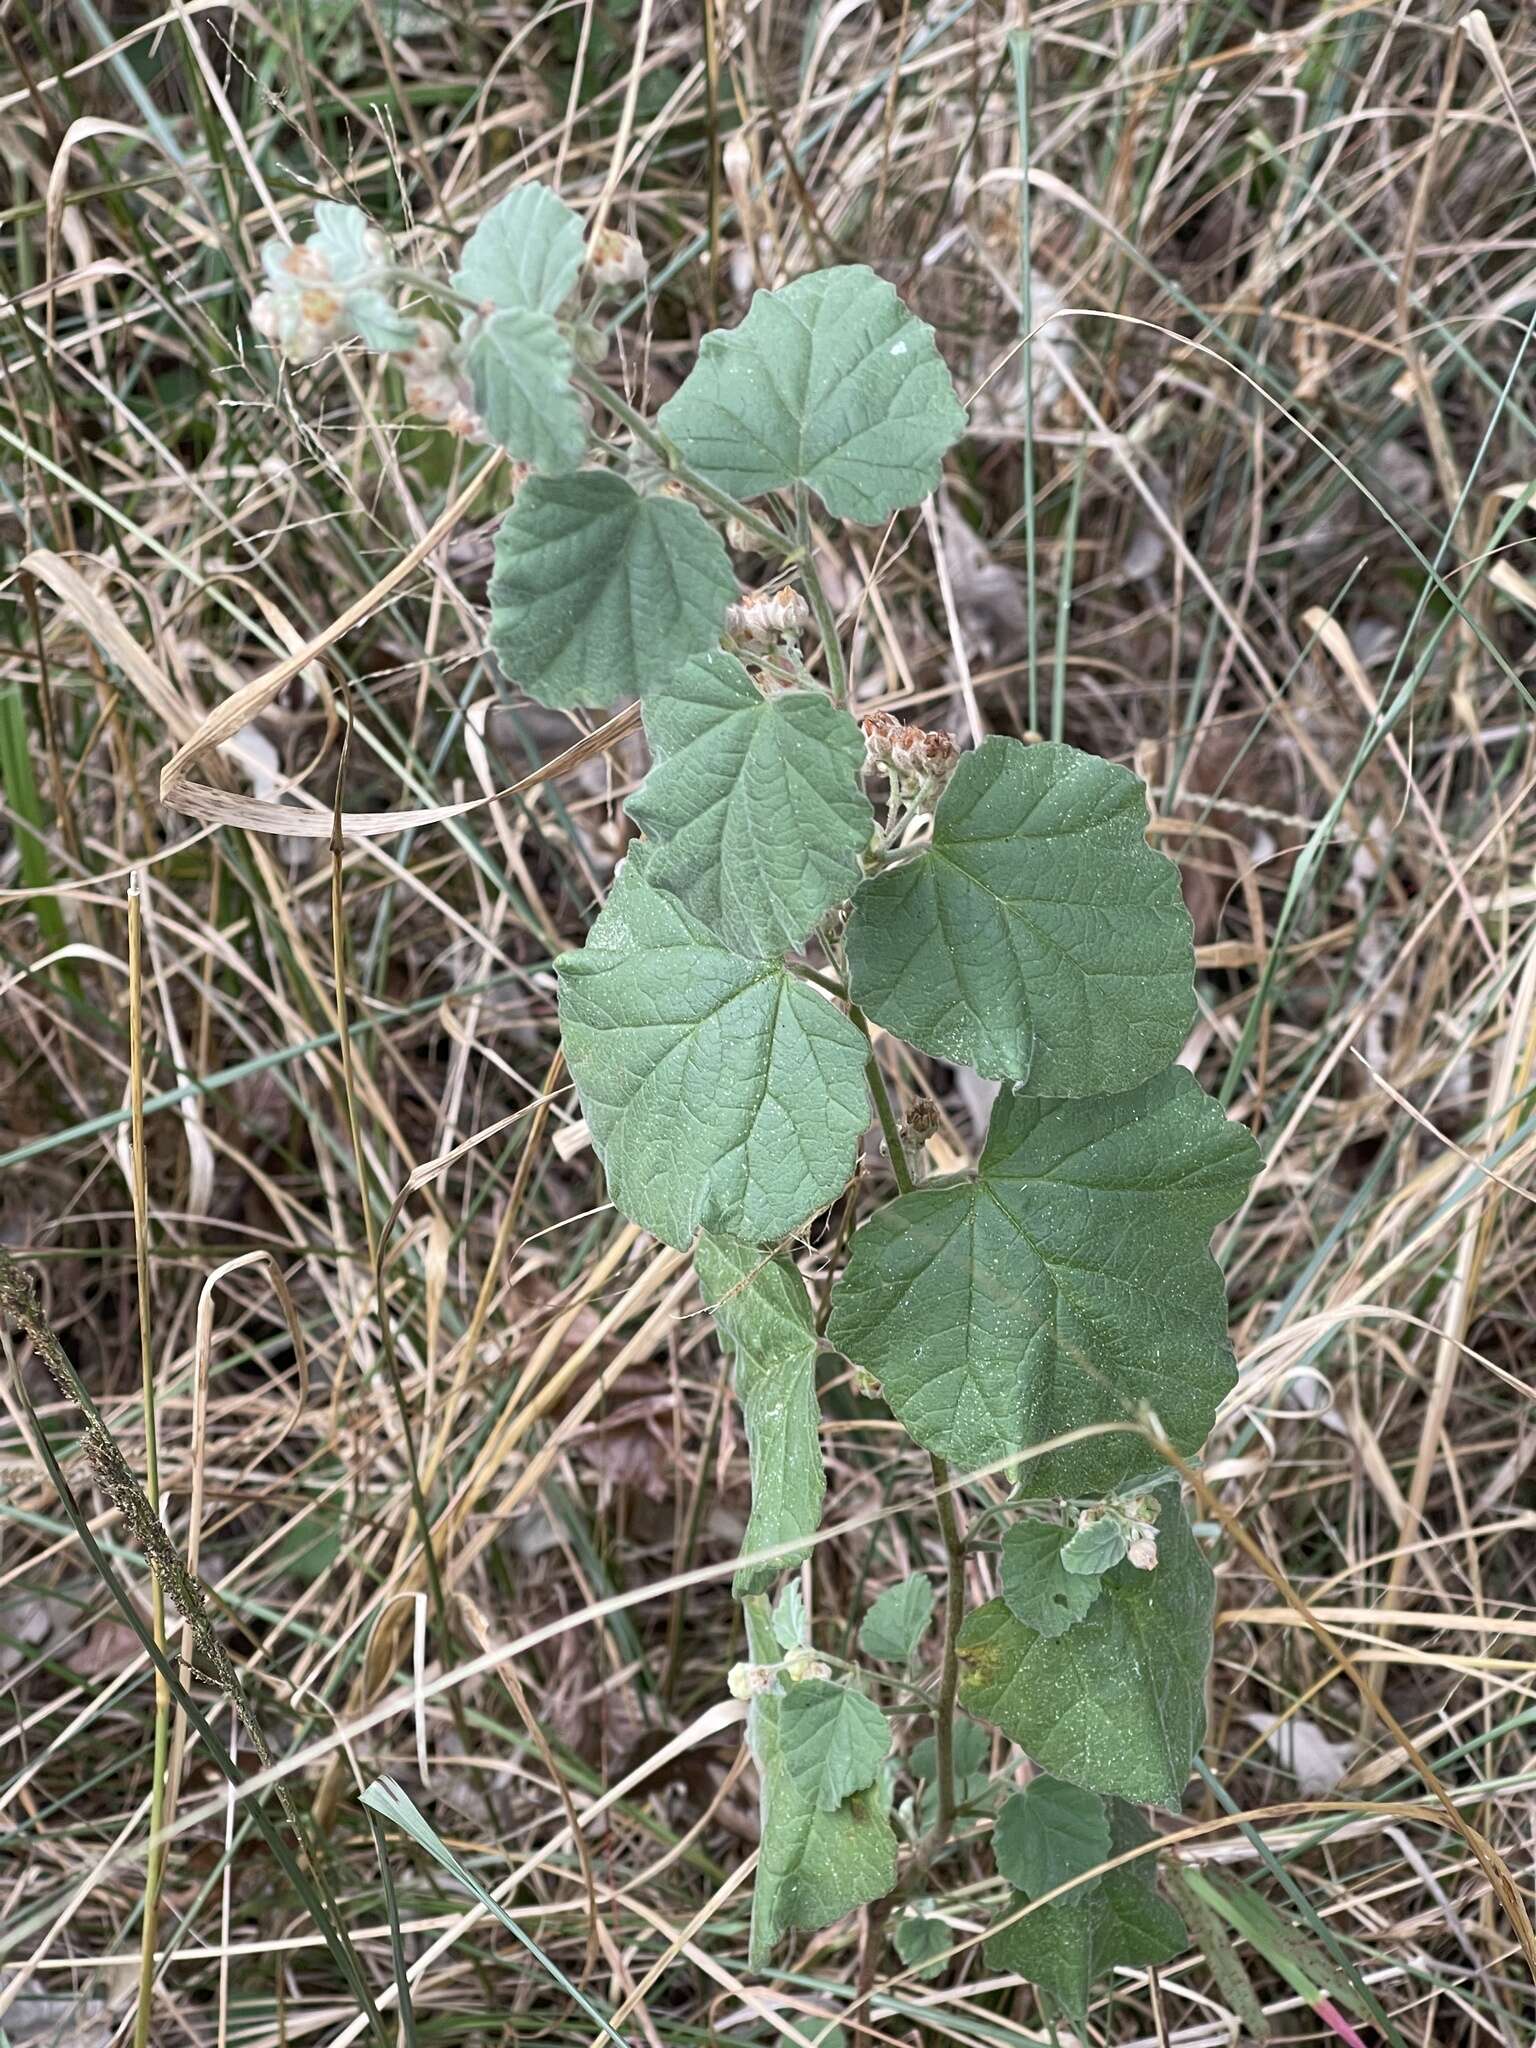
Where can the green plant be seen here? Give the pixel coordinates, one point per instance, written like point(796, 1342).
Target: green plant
point(1057, 1313)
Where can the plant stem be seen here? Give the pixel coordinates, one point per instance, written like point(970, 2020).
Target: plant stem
point(889, 1125)
point(949, 1525)
point(826, 623)
point(773, 540)
point(949, 1674)
point(154, 1865)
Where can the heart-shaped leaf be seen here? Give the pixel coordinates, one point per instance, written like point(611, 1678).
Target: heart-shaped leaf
point(1038, 937)
point(599, 593)
point(525, 254)
point(722, 1094)
point(814, 1866)
point(754, 804)
point(1067, 1283)
point(898, 1620)
point(1117, 1703)
point(1048, 1833)
point(1036, 1584)
point(764, 1313)
point(1117, 1921)
point(833, 1740)
point(830, 382)
point(519, 364)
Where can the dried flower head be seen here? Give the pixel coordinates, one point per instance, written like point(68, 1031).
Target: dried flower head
point(918, 763)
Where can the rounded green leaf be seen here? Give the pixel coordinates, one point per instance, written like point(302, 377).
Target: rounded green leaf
point(814, 1866)
point(520, 364)
point(722, 1093)
point(1068, 1282)
point(1049, 1833)
point(754, 804)
point(898, 1621)
point(526, 253)
point(1116, 1922)
point(342, 237)
point(833, 1740)
point(1038, 937)
point(764, 1313)
point(1094, 1546)
point(1117, 1703)
point(599, 593)
point(920, 1940)
point(830, 382)
point(1037, 1585)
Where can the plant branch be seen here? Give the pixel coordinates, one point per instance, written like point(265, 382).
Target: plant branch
point(949, 1673)
point(826, 623)
point(890, 1125)
point(763, 529)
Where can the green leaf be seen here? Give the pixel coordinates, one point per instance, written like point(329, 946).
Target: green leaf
point(972, 1748)
point(722, 1094)
point(1117, 1704)
point(1067, 1283)
point(1048, 1833)
point(920, 1940)
point(374, 316)
point(599, 593)
point(895, 1624)
point(526, 253)
point(341, 235)
point(755, 804)
point(1115, 1922)
point(789, 1624)
point(764, 1314)
point(520, 364)
point(1095, 1547)
point(1036, 1585)
point(814, 1866)
point(1038, 937)
point(833, 1740)
point(830, 382)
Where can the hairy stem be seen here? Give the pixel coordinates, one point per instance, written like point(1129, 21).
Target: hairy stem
point(826, 623)
point(774, 542)
point(949, 1674)
point(890, 1126)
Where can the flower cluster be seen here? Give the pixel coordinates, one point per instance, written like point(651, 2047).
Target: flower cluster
point(332, 286)
point(917, 763)
point(301, 310)
point(764, 616)
point(435, 383)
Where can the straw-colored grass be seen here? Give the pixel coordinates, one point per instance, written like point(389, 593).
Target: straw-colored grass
point(1251, 512)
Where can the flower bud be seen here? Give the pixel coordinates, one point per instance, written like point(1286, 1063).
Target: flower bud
point(589, 344)
point(747, 1681)
point(802, 1662)
point(614, 259)
point(764, 616)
